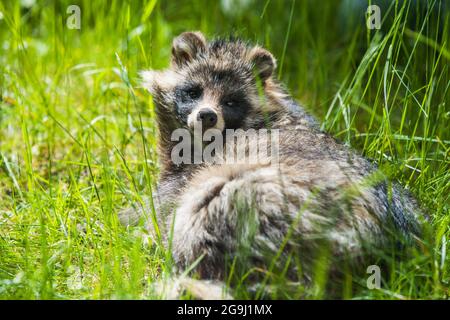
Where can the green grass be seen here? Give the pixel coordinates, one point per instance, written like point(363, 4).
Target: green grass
point(77, 134)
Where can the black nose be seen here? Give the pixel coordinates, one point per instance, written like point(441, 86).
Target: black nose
point(208, 118)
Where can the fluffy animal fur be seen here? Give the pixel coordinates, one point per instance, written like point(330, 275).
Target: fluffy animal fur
point(320, 194)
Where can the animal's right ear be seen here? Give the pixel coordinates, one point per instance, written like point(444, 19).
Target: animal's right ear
point(263, 61)
point(186, 47)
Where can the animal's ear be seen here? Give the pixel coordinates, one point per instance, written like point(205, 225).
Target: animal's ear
point(186, 47)
point(263, 61)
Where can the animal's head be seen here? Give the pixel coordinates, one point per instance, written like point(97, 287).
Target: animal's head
point(219, 84)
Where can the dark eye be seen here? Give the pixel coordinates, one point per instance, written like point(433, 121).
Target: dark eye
point(230, 103)
point(194, 93)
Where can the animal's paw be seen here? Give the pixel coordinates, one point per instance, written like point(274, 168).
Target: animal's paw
point(176, 288)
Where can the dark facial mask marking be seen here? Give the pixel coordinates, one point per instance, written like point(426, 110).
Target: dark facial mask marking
point(187, 97)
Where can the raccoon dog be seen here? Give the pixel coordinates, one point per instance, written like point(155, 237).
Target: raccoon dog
point(319, 193)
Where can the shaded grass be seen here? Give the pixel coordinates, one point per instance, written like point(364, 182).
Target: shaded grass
point(77, 134)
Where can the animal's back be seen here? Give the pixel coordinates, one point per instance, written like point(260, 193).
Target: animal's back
point(320, 193)
point(318, 196)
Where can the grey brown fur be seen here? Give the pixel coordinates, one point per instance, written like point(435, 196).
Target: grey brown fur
point(321, 193)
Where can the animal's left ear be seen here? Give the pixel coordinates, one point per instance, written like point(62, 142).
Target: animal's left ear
point(263, 61)
point(186, 47)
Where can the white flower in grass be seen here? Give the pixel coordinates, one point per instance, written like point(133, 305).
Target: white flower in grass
point(75, 280)
point(27, 3)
